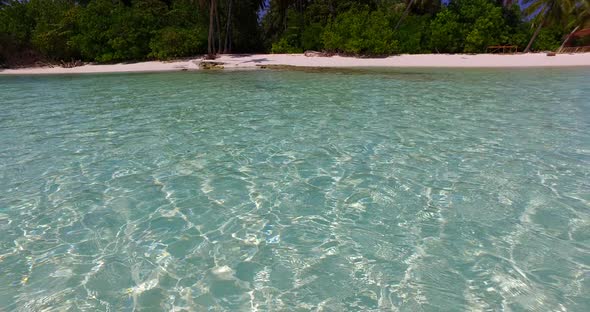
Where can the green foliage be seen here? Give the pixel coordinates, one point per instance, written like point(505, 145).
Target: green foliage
point(186, 14)
point(110, 32)
point(96, 23)
point(290, 41)
point(360, 27)
point(518, 31)
point(470, 26)
point(565, 14)
point(360, 32)
point(549, 39)
point(16, 25)
point(56, 24)
point(284, 46)
point(113, 30)
point(16, 21)
point(173, 42)
point(127, 30)
point(183, 34)
point(489, 29)
point(413, 35)
point(447, 32)
point(311, 38)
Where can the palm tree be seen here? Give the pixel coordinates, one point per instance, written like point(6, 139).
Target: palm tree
point(227, 45)
point(283, 7)
point(212, 4)
point(214, 42)
point(255, 4)
point(583, 14)
point(549, 11)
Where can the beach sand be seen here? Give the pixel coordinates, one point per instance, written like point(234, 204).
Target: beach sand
point(253, 61)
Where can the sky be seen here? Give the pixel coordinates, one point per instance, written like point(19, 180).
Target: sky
point(262, 12)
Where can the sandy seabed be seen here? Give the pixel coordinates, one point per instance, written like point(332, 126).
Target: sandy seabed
point(254, 61)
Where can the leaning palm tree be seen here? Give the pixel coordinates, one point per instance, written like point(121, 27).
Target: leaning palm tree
point(583, 14)
point(549, 12)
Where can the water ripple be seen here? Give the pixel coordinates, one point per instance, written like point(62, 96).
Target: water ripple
point(274, 191)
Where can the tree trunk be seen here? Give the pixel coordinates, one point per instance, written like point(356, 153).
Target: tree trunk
point(227, 46)
point(406, 12)
point(285, 19)
point(218, 28)
point(538, 30)
point(567, 39)
point(211, 38)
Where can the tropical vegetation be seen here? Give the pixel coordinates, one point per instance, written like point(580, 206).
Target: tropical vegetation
point(107, 31)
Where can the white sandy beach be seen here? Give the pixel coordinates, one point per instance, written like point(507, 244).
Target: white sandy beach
point(253, 61)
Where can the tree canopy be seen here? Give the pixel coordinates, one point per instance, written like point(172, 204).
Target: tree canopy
point(109, 31)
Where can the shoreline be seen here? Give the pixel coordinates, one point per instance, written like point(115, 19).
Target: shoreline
point(258, 61)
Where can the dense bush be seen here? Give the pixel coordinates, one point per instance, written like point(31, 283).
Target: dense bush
point(360, 32)
point(56, 23)
point(447, 32)
point(549, 39)
point(183, 34)
point(414, 34)
point(469, 26)
point(284, 45)
point(367, 27)
point(290, 41)
point(173, 42)
point(122, 30)
point(311, 37)
point(16, 25)
point(110, 31)
point(115, 30)
point(485, 24)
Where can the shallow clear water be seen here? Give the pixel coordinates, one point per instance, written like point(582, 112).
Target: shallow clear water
point(440, 190)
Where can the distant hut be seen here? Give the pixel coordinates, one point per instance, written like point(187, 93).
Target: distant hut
point(577, 41)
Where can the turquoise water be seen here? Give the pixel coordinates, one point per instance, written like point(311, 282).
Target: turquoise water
point(429, 190)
